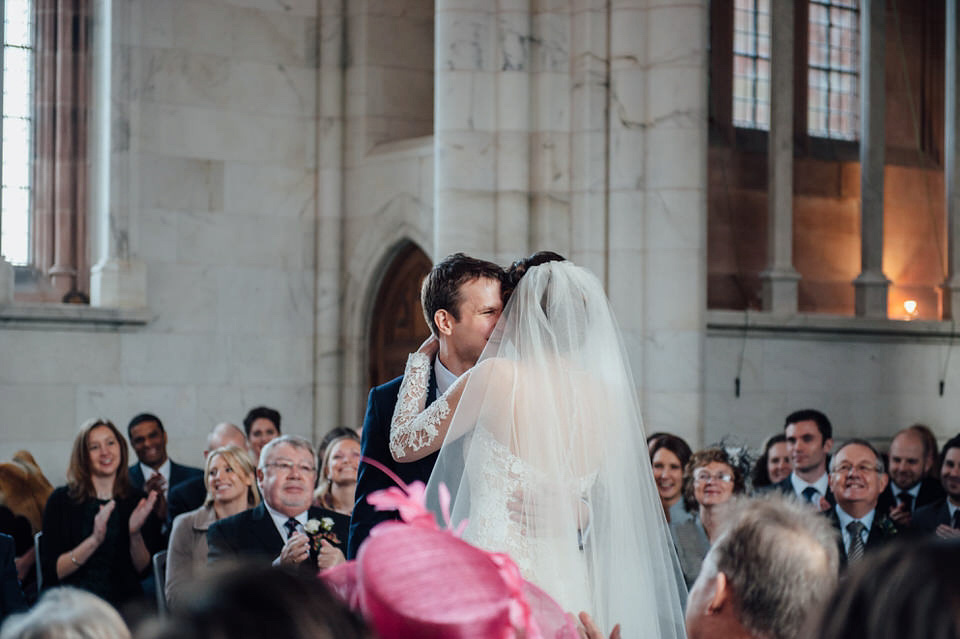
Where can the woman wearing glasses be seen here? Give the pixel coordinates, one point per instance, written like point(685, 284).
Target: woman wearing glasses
point(710, 479)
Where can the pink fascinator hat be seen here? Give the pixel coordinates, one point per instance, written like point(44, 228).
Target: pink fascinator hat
point(416, 579)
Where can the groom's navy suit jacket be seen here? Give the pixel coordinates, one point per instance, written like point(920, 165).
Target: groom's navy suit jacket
point(376, 445)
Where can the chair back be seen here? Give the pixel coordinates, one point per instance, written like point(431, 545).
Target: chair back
point(36, 560)
point(160, 580)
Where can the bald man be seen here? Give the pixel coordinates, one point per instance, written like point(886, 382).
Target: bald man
point(908, 488)
point(190, 495)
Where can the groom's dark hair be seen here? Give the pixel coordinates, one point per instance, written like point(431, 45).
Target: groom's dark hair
point(441, 286)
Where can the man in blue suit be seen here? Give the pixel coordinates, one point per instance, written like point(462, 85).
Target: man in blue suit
point(461, 300)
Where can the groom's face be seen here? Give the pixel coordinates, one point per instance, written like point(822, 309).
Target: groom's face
point(480, 308)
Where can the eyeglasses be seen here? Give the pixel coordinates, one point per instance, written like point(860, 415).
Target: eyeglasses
point(287, 467)
point(862, 469)
point(703, 476)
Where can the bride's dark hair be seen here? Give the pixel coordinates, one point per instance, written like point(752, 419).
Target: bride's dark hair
point(517, 270)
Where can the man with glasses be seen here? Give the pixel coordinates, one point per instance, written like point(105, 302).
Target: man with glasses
point(857, 477)
point(275, 530)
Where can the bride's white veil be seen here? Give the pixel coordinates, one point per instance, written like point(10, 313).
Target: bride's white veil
point(546, 456)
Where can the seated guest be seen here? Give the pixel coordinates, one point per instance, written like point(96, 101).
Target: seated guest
point(24, 489)
point(191, 494)
point(857, 478)
point(338, 485)
point(11, 596)
point(943, 517)
point(67, 613)
point(262, 424)
point(710, 479)
point(332, 434)
point(275, 530)
point(155, 471)
point(773, 466)
point(256, 602)
point(930, 445)
point(809, 436)
point(908, 589)
point(668, 456)
point(909, 488)
point(230, 490)
point(771, 566)
point(97, 530)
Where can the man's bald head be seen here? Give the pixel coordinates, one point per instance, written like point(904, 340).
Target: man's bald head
point(224, 434)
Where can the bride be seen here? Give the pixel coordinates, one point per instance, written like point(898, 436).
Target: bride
point(542, 447)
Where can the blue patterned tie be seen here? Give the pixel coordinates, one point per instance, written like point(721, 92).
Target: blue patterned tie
point(291, 526)
point(809, 493)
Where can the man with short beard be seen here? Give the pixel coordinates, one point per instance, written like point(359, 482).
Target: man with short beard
point(943, 517)
point(908, 489)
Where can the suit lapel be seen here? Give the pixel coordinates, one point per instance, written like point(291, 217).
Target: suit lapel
point(264, 530)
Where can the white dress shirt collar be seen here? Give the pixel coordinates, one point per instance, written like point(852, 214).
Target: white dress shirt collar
point(280, 521)
point(445, 378)
point(820, 485)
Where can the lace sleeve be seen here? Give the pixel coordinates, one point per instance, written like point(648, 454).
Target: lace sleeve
point(413, 428)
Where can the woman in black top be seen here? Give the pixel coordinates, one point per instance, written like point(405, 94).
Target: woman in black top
point(94, 527)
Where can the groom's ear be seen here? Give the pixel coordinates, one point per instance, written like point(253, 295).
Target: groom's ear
point(444, 322)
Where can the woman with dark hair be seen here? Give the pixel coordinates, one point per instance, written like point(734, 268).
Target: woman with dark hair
point(542, 454)
point(97, 529)
point(710, 479)
point(909, 588)
point(774, 465)
point(669, 454)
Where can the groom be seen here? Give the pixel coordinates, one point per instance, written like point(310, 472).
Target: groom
point(461, 302)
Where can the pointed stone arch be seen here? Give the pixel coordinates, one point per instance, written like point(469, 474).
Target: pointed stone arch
point(397, 326)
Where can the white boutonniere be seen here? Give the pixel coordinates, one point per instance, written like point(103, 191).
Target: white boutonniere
point(327, 523)
point(312, 526)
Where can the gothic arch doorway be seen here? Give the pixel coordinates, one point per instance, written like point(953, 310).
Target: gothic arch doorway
point(397, 326)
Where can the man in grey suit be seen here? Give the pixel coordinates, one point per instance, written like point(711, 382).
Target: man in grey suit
point(274, 531)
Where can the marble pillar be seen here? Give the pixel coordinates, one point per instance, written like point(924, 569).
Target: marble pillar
point(482, 128)
point(780, 278)
point(871, 286)
point(118, 279)
point(6, 281)
point(328, 247)
point(951, 288)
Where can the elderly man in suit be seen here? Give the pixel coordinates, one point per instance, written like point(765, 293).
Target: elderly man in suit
point(275, 530)
point(461, 302)
point(943, 517)
point(857, 477)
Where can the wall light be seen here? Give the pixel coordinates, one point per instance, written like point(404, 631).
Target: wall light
point(910, 307)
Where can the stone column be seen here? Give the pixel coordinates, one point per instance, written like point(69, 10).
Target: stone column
point(328, 395)
point(780, 278)
point(951, 288)
point(118, 279)
point(481, 139)
point(6, 268)
point(870, 287)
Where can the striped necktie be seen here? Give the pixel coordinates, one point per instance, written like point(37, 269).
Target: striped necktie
point(856, 548)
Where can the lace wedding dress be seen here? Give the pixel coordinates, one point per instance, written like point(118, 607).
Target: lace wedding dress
point(542, 448)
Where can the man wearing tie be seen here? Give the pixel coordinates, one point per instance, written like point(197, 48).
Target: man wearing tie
point(943, 517)
point(908, 489)
point(857, 478)
point(274, 530)
point(809, 440)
